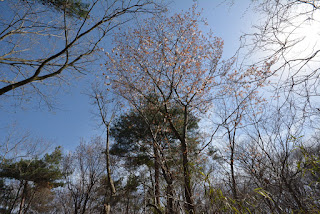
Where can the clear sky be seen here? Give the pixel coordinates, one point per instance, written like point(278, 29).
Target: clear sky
point(73, 120)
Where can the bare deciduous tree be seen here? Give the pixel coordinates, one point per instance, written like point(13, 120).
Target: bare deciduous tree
point(20, 144)
point(40, 43)
point(107, 107)
point(287, 34)
point(84, 169)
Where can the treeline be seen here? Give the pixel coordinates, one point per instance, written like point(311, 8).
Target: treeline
point(266, 171)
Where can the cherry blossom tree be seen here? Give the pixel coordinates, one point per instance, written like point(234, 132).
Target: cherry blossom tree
point(172, 59)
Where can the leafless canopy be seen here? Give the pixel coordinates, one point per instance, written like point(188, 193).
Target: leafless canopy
point(39, 42)
point(287, 34)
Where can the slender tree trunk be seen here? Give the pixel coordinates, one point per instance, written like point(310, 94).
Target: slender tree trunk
point(16, 198)
point(127, 207)
point(86, 199)
point(233, 179)
point(29, 204)
point(169, 193)
point(76, 208)
point(107, 206)
point(294, 195)
point(23, 196)
point(189, 205)
point(156, 175)
point(170, 209)
point(186, 169)
point(187, 179)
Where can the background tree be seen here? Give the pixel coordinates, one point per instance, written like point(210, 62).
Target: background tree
point(73, 8)
point(268, 155)
point(17, 144)
point(84, 169)
point(107, 107)
point(33, 175)
point(287, 34)
point(308, 163)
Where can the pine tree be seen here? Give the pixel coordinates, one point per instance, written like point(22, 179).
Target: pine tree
point(32, 175)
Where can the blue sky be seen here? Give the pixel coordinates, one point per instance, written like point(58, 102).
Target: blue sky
point(72, 119)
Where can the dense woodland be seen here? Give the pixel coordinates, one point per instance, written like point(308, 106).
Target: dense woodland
point(185, 129)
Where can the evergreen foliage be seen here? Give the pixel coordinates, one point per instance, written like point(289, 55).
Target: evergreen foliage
point(73, 8)
point(45, 171)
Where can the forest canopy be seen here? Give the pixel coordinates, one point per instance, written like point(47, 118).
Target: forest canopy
point(182, 128)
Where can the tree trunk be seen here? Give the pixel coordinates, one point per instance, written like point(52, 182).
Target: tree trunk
point(29, 204)
point(156, 175)
point(127, 207)
point(170, 209)
point(169, 180)
point(23, 196)
point(107, 206)
point(233, 179)
point(189, 206)
point(16, 198)
point(186, 169)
